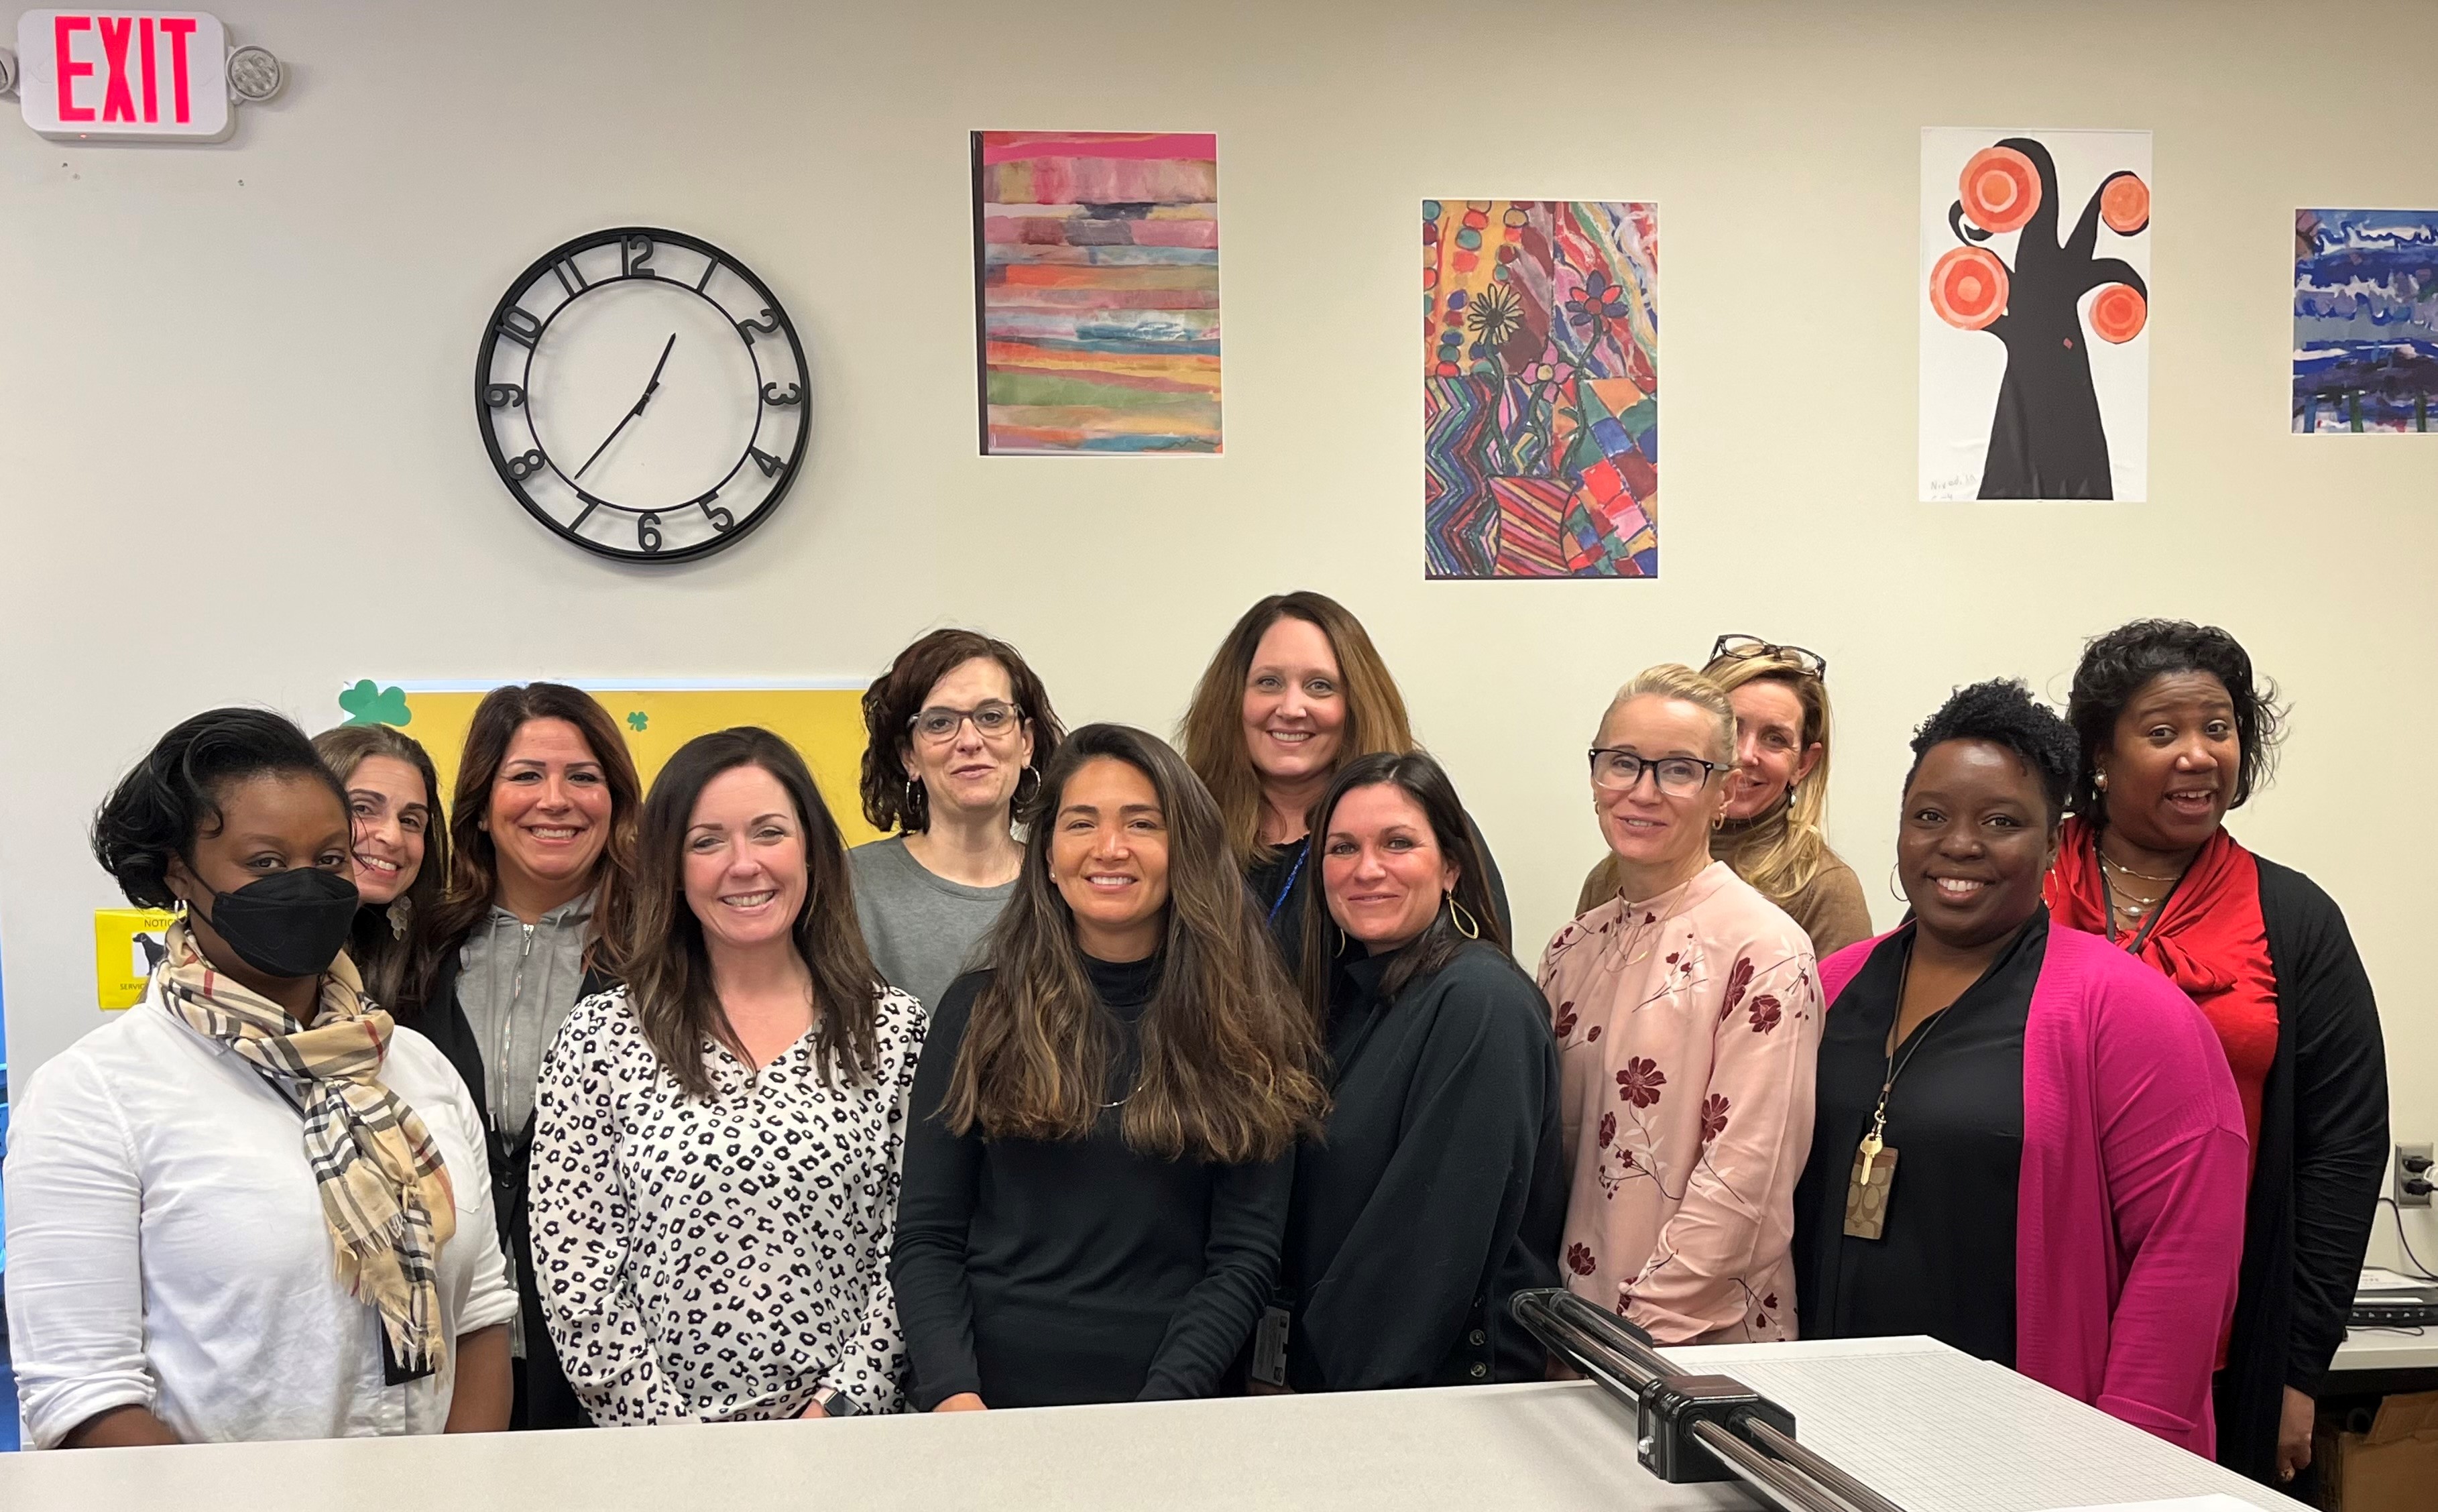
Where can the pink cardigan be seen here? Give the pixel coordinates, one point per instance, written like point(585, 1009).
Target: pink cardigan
point(2128, 1214)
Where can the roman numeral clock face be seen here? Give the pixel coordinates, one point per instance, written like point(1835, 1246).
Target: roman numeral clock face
point(642, 395)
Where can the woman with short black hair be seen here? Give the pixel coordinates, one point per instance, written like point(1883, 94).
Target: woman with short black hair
point(2027, 1146)
point(2176, 731)
point(1098, 1173)
point(751, 1023)
point(249, 1207)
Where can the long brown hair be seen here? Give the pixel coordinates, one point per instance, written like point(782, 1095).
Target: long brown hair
point(1421, 778)
point(473, 866)
point(387, 944)
point(1229, 1062)
point(892, 801)
point(1212, 732)
point(668, 970)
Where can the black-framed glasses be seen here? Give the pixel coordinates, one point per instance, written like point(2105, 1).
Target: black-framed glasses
point(1617, 771)
point(1809, 663)
point(991, 717)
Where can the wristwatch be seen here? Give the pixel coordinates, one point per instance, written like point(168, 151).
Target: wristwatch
point(835, 1403)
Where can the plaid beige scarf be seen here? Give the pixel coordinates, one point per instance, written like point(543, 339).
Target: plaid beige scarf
point(385, 1192)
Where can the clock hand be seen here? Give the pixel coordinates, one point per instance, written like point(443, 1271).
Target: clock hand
point(650, 386)
point(654, 385)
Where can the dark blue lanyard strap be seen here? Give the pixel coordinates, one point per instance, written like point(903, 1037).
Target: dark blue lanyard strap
point(1293, 871)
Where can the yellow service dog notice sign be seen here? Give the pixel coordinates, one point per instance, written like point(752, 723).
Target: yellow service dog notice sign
point(126, 944)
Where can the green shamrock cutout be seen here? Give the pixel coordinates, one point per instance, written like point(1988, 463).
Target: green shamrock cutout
point(638, 720)
point(368, 703)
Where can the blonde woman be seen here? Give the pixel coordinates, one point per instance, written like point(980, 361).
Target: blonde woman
point(1295, 692)
point(1775, 835)
point(1687, 1015)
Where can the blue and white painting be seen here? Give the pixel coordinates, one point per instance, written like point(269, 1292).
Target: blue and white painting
point(2365, 320)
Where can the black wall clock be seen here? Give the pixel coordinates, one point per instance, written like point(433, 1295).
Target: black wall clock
point(642, 393)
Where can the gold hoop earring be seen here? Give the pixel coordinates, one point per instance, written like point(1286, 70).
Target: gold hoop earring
point(1466, 925)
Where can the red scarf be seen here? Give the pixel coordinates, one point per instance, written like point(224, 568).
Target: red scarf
point(2208, 939)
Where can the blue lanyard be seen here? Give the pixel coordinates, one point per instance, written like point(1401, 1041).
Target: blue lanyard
point(1292, 873)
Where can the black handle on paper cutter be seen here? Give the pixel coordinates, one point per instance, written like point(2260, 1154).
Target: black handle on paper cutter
point(1691, 1427)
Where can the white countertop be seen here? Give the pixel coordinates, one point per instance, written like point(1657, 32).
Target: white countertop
point(2387, 1349)
point(1934, 1430)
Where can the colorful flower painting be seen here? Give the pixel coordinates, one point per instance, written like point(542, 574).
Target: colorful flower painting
point(1097, 291)
point(2365, 320)
point(1540, 388)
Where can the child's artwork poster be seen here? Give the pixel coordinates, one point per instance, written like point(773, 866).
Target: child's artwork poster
point(826, 724)
point(2035, 313)
point(2365, 320)
point(1097, 291)
point(1540, 388)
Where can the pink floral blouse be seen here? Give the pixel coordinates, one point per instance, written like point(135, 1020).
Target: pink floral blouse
point(1688, 1026)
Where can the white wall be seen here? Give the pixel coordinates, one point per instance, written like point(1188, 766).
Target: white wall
point(238, 460)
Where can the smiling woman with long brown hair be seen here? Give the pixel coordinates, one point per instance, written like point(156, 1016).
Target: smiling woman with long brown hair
point(1097, 1173)
point(1295, 692)
point(400, 850)
point(541, 833)
point(752, 1023)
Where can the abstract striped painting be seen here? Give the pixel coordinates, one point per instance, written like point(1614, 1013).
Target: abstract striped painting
point(1540, 388)
point(2365, 320)
point(1097, 291)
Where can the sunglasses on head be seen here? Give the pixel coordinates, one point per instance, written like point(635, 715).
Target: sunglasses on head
point(1747, 648)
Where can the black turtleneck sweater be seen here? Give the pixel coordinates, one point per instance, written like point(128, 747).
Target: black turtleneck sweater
point(1043, 1272)
point(1440, 1189)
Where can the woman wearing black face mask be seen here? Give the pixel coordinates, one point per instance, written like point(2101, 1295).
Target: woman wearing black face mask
point(180, 1181)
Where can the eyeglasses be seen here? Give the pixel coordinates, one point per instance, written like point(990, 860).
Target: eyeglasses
point(1747, 648)
point(1617, 771)
point(991, 719)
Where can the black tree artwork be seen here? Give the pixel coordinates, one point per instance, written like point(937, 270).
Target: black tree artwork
point(2047, 439)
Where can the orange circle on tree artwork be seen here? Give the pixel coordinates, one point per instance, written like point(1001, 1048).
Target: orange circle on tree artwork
point(1999, 188)
point(2118, 314)
point(1968, 287)
point(2124, 203)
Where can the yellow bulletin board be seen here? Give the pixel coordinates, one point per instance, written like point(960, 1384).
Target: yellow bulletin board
point(126, 944)
point(825, 723)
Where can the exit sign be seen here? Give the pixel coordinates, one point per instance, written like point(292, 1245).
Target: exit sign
point(146, 75)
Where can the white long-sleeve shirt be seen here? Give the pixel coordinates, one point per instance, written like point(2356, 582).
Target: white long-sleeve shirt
point(720, 1258)
point(166, 1247)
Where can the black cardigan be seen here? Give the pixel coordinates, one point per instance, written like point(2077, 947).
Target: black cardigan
point(545, 1399)
point(2315, 1184)
point(1440, 1190)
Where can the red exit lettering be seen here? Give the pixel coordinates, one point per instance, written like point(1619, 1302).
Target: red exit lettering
point(126, 69)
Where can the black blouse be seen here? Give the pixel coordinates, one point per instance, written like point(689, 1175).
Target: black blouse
point(1038, 1273)
point(1440, 1190)
point(1944, 1264)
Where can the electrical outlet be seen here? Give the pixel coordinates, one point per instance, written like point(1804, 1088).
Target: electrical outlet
point(2413, 1163)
